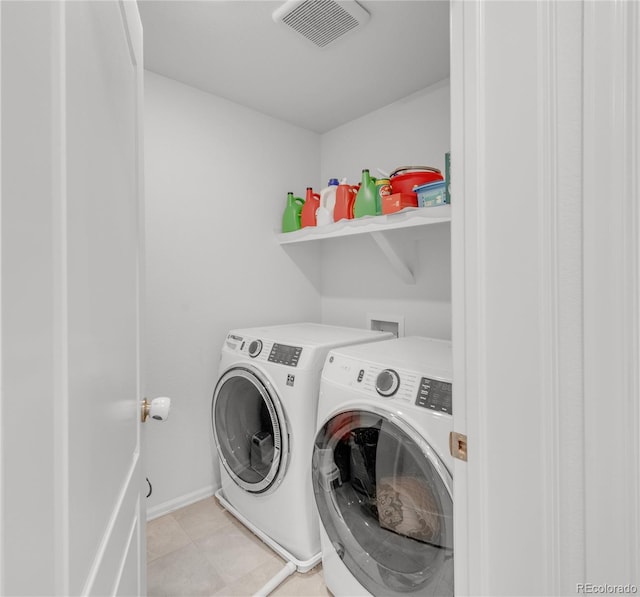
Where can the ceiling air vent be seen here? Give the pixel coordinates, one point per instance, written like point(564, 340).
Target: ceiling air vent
point(321, 21)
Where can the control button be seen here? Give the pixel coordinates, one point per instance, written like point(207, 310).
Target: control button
point(360, 375)
point(254, 348)
point(387, 382)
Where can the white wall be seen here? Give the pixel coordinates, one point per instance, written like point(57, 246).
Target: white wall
point(355, 278)
point(217, 175)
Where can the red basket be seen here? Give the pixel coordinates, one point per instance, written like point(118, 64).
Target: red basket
point(404, 179)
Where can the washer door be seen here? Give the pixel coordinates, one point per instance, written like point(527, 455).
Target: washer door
point(250, 429)
point(385, 501)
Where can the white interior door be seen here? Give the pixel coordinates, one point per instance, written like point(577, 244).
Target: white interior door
point(546, 289)
point(72, 517)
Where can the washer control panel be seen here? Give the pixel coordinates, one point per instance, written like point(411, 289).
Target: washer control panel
point(396, 384)
point(435, 395)
point(285, 355)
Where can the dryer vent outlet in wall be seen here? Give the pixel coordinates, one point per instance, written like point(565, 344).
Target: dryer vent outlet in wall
point(322, 22)
point(386, 323)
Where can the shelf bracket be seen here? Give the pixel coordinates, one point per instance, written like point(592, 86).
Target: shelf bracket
point(394, 258)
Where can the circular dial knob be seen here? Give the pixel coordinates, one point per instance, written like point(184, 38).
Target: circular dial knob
point(254, 348)
point(387, 382)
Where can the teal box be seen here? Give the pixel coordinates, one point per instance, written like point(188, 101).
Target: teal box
point(431, 194)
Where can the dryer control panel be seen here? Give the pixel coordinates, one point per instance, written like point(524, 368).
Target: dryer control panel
point(285, 355)
point(263, 350)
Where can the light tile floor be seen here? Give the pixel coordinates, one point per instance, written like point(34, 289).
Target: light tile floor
point(203, 550)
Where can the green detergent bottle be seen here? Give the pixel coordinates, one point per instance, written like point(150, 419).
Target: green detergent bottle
point(365, 204)
point(291, 214)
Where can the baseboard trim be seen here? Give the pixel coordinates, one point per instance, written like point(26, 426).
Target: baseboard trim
point(180, 502)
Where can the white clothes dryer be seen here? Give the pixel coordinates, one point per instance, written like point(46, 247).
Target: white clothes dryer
point(382, 471)
point(263, 417)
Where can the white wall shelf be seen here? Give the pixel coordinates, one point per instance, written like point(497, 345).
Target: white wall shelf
point(376, 227)
point(407, 218)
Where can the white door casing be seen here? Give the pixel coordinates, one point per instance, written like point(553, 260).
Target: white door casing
point(72, 516)
point(611, 254)
point(546, 295)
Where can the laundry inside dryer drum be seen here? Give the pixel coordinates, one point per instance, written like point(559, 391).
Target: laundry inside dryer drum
point(386, 504)
point(247, 431)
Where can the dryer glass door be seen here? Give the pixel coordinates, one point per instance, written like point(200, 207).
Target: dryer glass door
point(385, 501)
point(249, 429)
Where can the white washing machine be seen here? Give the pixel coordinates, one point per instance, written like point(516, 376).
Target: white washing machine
point(264, 416)
point(382, 471)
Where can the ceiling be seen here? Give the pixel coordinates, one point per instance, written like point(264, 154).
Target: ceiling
point(235, 50)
